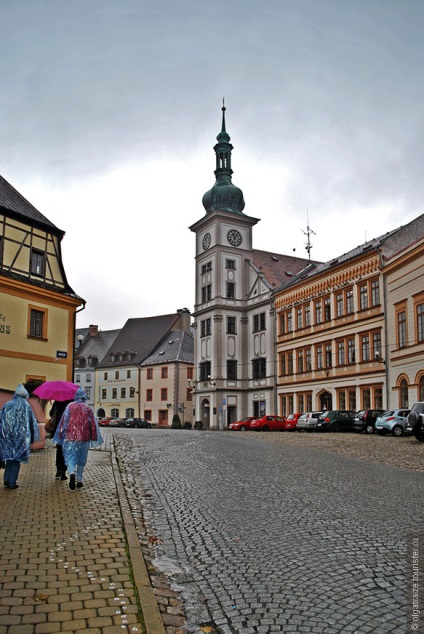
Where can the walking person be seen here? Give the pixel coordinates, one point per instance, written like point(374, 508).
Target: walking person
point(56, 414)
point(18, 429)
point(76, 432)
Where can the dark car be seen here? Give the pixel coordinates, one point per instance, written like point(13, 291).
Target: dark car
point(141, 423)
point(416, 420)
point(336, 420)
point(365, 420)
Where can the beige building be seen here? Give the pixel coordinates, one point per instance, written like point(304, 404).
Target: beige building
point(342, 328)
point(403, 271)
point(37, 305)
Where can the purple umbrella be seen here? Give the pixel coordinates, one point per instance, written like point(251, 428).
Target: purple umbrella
point(56, 391)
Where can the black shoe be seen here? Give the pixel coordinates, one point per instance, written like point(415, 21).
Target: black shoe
point(63, 476)
point(58, 474)
point(72, 482)
point(6, 485)
point(79, 485)
point(13, 486)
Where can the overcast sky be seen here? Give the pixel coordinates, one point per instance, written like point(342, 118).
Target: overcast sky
point(110, 111)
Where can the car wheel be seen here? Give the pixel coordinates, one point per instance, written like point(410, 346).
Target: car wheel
point(369, 429)
point(397, 430)
point(242, 428)
point(265, 428)
point(381, 432)
point(336, 427)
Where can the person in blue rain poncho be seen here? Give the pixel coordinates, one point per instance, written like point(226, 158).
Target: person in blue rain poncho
point(77, 431)
point(18, 429)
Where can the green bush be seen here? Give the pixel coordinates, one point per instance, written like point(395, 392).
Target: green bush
point(198, 424)
point(176, 423)
point(187, 426)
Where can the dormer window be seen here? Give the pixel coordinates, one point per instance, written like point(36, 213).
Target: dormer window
point(38, 262)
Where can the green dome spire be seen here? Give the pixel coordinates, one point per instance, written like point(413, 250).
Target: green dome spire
point(224, 196)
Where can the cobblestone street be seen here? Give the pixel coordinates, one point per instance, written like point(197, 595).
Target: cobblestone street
point(276, 532)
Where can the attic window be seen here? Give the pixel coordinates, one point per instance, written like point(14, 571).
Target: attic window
point(274, 259)
point(288, 273)
point(172, 341)
point(162, 352)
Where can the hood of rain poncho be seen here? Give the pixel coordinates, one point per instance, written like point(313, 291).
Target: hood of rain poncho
point(78, 423)
point(18, 427)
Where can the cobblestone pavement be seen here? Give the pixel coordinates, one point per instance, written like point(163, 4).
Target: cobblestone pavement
point(278, 532)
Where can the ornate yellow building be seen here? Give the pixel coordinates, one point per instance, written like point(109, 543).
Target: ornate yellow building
point(37, 305)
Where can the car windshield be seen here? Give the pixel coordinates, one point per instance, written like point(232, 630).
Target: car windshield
point(389, 412)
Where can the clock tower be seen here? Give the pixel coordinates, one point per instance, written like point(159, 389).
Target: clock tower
point(222, 355)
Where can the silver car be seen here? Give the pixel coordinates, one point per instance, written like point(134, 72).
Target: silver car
point(393, 421)
point(308, 421)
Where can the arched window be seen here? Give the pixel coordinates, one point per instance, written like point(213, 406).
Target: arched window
point(421, 389)
point(114, 413)
point(403, 393)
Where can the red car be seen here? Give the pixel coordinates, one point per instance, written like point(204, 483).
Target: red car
point(271, 423)
point(241, 425)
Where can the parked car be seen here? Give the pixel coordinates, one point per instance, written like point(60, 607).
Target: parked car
point(394, 421)
point(365, 420)
point(416, 420)
point(270, 423)
point(336, 420)
point(308, 421)
point(115, 422)
point(140, 423)
point(104, 422)
point(292, 418)
point(241, 425)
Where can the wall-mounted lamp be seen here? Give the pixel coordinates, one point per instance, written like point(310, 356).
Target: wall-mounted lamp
point(168, 405)
point(80, 339)
point(212, 383)
point(379, 358)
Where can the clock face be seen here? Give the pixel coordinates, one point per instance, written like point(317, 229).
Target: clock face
point(206, 242)
point(234, 237)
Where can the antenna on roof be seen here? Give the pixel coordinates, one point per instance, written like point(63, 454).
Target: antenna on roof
point(307, 233)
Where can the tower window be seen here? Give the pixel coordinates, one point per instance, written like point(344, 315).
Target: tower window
point(230, 290)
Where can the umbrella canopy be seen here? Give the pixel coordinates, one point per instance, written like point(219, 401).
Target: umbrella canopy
point(56, 391)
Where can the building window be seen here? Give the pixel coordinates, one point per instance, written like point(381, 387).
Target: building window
point(123, 392)
point(206, 293)
point(420, 323)
point(38, 262)
point(164, 394)
point(365, 347)
point(401, 329)
point(318, 312)
point(149, 395)
point(259, 322)
point(341, 353)
point(206, 267)
point(299, 318)
point(352, 400)
point(421, 389)
point(349, 302)
point(319, 358)
point(327, 309)
point(205, 327)
point(103, 394)
point(117, 374)
point(204, 370)
point(104, 376)
point(378, 398)
point(114, 412)
point(351, 351)
point(230, 264)
point(190, 373)
point(231, 290)
point(164, 372)
point(307, 315)
point(366, 398)
point(132, 392)
point(342, 399)
point(376, 346)
point(231, 325)
point(189, 394)
point(363, 296)
point(300, 358)
point(231, 370)
point(37, 326)
point(114, 392)
point(88, 392)
point(403, 393)
point(375, 293)
point(339, 305)
point(129, 412)
point(259, 368)
point(78, 378)
point(328, 356)
point(88, 378)
point(289, 322)
point(148, 415)
point(149, 374)
point(128, 374)
point(308, 359)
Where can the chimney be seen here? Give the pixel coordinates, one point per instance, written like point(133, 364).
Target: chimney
point(94, 330)
point(184, 314)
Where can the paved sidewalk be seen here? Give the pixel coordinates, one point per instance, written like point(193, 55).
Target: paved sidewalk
point(70, 561)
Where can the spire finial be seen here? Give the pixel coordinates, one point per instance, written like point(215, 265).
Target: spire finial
point(223, 115)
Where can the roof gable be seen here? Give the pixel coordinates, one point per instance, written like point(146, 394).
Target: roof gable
point(11, 200)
